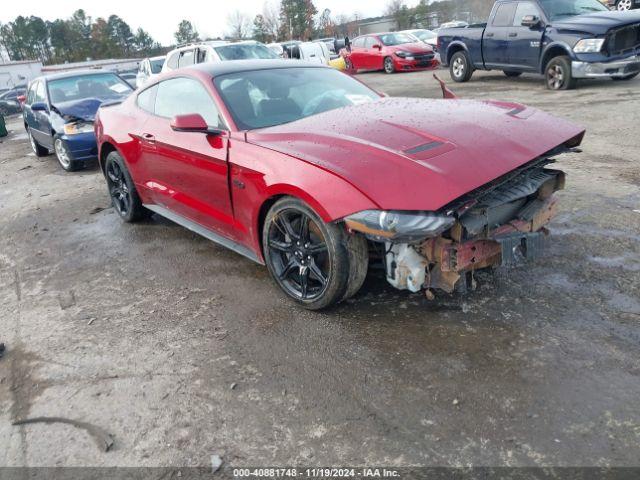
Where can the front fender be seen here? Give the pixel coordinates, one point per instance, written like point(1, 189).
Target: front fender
point(551, 50)
point(259, 176)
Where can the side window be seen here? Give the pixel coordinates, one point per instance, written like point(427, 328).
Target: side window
point(180, 96)
point(172, 61)
point(41, 95)
point(186, 58)
point(201, 55)
point(370, 42)
point(504, 15)
point(359, 42)
point(524, 9)
point(147, 99)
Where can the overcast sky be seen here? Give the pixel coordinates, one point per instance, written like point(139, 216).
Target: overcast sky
point(161, 17)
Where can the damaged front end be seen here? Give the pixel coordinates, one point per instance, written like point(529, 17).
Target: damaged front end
point(501, 223)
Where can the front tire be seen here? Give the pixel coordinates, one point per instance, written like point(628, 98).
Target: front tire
point(460, 67)
point(558, 74)
point(349, 68)
point(307, 258)
point(624, 5)
point(65, 159)
point(388, 65)
point(38, 149)
point(122, 190)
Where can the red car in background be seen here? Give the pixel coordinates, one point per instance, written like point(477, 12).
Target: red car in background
point(308, 170)
point(391, 52)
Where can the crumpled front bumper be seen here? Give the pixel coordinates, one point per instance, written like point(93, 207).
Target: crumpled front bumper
point(615, 69)
point(510, 244)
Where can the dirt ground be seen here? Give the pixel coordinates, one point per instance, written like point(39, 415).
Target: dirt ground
point(182, 349)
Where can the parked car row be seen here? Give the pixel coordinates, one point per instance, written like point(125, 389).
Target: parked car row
point(10, 100)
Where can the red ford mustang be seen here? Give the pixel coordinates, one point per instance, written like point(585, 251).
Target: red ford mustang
point(308, 170)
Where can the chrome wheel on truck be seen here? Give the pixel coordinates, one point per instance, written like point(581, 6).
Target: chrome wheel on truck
point(558, 74)
point(460, 67)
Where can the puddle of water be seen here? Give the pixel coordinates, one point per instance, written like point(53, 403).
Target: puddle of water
point(626, 262)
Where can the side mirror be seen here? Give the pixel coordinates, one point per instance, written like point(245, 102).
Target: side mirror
point(530, 21)
point(193, 122)
point(377, 46)
point(39, 107)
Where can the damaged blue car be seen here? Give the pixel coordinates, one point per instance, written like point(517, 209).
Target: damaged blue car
point(60, 109)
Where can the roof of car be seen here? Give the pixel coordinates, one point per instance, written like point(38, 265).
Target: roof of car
point(222, 68)
point(74, 73)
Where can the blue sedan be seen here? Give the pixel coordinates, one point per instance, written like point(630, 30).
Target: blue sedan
point(60, 109)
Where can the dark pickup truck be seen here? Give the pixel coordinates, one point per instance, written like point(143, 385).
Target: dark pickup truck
point(562, 39)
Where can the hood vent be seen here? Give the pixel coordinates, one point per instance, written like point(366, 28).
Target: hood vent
point(425, 147)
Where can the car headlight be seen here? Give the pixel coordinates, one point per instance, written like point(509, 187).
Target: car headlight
point(589, 45)
point(399, 227)
point(402, 54)
point(78, 127)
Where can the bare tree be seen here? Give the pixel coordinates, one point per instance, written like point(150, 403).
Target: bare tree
point(400, 12)
point(325, 23)
point(271, 16)
point(240, 24)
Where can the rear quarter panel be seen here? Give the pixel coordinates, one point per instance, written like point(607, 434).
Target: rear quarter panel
point(450, 40)
point(116, 126)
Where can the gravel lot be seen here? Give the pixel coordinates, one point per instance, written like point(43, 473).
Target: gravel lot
point(182, 349)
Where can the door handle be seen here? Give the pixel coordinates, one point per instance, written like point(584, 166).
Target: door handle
point(147, 137)
point(513, 35)
point(488, 35)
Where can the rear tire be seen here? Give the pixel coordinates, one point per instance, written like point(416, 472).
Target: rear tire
point(122, 190)
point(307, 258)
point(511, 73)
point(38, 149)
point(460, 67)
point(558, 74)
point(388, 65)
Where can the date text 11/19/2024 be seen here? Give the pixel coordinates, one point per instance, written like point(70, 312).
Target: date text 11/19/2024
point(318, 472)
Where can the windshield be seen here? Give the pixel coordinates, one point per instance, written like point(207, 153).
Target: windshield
point(156, 65)
point(565, 8)
point(244, 52)
point(103, 86)
point(424, 35)
point(390, 39)
point(264, 98)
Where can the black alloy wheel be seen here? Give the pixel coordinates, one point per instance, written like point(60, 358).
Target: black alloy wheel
point(307, 258)
point(122, 190)
point(118, 189)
